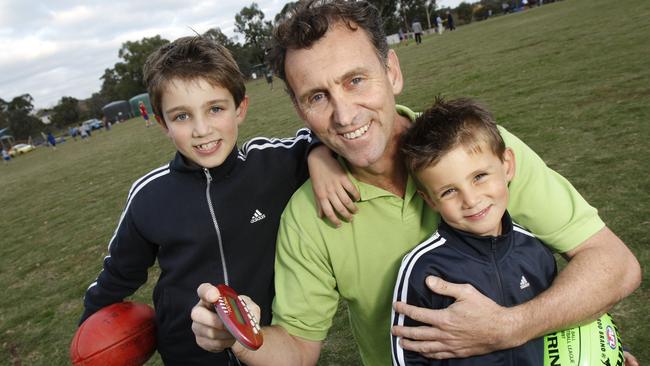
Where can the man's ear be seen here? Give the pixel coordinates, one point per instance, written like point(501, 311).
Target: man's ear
point(241, 111)
point(509, 164)
point(394, 72)
point(427, 199)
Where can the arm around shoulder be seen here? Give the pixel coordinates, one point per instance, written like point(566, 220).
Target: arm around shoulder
point(601, 272)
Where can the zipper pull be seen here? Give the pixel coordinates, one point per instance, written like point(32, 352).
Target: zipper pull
point(207, 174)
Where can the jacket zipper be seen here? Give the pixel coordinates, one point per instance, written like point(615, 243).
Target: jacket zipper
point(493, 246)
point(208, 177)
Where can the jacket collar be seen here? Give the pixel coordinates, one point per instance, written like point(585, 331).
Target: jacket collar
point(480, 247)
point(184, 165)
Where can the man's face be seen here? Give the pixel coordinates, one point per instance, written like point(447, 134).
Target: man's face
point(202, 120)
point(345, 94)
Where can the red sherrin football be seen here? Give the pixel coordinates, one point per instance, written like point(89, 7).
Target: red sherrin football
point(119, 334)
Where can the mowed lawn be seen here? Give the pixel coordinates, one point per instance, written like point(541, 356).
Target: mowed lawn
point(570, 78)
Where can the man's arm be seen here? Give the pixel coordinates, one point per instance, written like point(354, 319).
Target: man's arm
point(601, 271)
point(279, 348)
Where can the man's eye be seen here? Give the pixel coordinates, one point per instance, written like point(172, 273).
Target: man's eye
point(356, 81)
point(316, 98)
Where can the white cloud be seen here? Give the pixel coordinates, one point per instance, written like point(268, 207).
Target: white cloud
point(61, 48)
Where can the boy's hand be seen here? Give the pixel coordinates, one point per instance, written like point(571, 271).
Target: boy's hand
point(334, 192)
point(210, 332)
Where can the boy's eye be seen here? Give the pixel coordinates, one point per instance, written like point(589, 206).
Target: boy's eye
point(447, 192)
point(479, 176)
point(181, 117)
point(216, 109)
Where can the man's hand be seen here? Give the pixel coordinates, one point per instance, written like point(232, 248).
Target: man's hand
point(334, 192)
point(210, 332)
point(473, 325)
point(630, 360)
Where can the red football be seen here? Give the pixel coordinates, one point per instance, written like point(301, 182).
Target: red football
point(119, 334)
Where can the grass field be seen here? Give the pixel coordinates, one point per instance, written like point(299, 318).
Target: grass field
point(570, 78)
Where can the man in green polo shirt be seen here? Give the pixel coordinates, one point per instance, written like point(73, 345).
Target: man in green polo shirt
point(343, 80)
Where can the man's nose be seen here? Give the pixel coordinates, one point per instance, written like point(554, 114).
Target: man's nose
point(344, 110)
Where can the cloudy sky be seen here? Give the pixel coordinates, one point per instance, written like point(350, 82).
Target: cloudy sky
point(57, 48)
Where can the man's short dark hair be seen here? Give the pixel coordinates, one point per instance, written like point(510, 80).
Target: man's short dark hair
point(192, 58)
point(311, 19)
point(446, 126)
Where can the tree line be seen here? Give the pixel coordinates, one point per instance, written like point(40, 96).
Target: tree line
point(125, 79)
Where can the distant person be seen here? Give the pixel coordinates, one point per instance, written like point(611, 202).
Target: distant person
point(439, 27)
point(144, 114)
point(212, 213)
point(73, 132)
point(417, 30)
point(51, 140)
point(456, 154)
point(505, 7)
point(403, 38)
point(106, 123)
point(269, 78)
point(5, 156)
point(450, 21)
point(83, 132)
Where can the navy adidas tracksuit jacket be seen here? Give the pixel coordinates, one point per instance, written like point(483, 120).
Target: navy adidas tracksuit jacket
point(179, 213)
point(510, 269)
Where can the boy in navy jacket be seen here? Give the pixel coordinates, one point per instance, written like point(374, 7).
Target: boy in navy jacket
point(212, 213)
point(455, 152)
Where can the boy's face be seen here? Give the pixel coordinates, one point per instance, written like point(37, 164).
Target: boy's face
point(469, 190)
point(202, 120)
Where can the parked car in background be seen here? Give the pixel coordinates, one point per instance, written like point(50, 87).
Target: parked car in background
point(93, 124)
point(20, 149)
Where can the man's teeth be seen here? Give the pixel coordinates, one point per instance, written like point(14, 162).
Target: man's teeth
point(207, 146)
point(356, 133)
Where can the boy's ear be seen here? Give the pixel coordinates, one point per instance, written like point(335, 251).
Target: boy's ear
point(427, 199)
point(394, 72)
point(509, 164)
point(242, 109)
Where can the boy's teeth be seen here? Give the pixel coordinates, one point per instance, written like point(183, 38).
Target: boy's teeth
point(207, 146)
point(356, 133)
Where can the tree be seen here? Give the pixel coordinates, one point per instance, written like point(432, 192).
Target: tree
point(17, 113)
point(285, 11)
point(66, 112)
point(257, 32)
point(465, 12)
point(241, 53)
point(125, 79)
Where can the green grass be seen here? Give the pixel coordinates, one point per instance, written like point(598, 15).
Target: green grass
point(570, 78)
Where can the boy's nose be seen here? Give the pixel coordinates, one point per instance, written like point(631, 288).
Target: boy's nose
point(201, 127)
point(470, 199)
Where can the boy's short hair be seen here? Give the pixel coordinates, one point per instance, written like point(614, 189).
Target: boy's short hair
point(311, 19)
point(446, 126)
point(192, 58)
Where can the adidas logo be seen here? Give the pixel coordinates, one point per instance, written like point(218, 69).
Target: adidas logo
point(523, 283)
point(257, 216)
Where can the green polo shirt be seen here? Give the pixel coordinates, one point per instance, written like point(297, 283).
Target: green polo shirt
point(316, 264)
